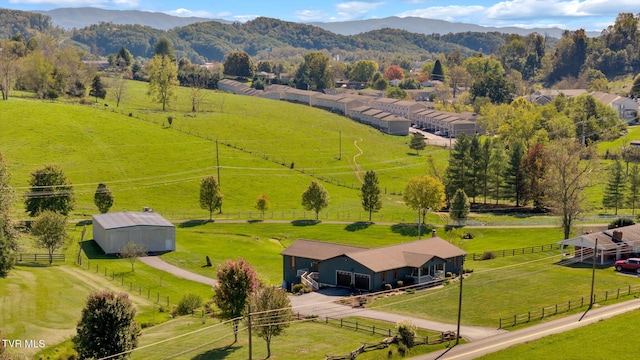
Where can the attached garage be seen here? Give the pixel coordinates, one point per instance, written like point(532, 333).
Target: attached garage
point(113, 231)
point(362, 281)
point(343, 278)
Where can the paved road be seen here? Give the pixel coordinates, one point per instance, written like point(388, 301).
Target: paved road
point(502, 341)
point(160, 264)
point(323, 304)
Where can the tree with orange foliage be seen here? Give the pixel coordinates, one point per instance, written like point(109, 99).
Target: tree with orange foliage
point(394, 72)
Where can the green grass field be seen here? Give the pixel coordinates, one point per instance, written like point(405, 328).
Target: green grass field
point(586, 343)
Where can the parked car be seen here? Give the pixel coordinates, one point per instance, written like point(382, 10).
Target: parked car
point(631, 264)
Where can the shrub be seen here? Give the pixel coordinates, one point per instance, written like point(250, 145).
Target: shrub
point(403, 349)
point(300, 289)
point(449, 274)
point(399, 283)
point(387, 287)
point(188, 304)
point(620, 222)
point(407, 332)
point(488, 255)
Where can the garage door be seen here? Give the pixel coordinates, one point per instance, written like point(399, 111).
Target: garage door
point(343, 278)
point(362, 282)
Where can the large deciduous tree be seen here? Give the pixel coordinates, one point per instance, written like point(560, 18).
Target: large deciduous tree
point(424, 193)
point(118, 88)
point(163, 79)
point(103, 198)
point(50, 231)
point(314, 73)
point(273, 313)
point(315, 198)
point(239, 63)
point(363, 70)
point(394, 72)
point(370, 193)
point(569, 167)
point(210, 195)
point(236, 281)
point(49, 190)
point(107, 326)
point(10, 54)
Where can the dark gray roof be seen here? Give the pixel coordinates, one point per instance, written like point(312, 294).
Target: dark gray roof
point(128, 219)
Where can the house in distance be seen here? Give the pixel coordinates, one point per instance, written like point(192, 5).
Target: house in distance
point(112, 231)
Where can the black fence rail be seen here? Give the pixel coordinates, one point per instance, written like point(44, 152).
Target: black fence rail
point(120, 279)
point(39, 257)
point(539, 314)
point(515, 252)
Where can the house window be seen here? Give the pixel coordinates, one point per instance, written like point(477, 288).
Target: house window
point(455, 261)
point(395, 274)
point(383, 276)
point(293, 262)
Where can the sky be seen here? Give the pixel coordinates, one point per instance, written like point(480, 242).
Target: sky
point(591, 15)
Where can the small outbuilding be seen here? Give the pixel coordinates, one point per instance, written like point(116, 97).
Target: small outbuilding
point(112, 231)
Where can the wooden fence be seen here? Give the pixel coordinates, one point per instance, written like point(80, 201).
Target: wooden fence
point(518, 251)
point(390, 337)
point(39, 257)
point(540, 314)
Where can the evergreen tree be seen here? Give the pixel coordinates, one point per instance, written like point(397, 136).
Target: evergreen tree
point(164, 47)
point(7, 257)
point(97, 88)
point(417, 142)
point(614, 192)
point(458, 172)
point(438, 72)
point(635, 89)
point(485, 161)
point(496, 171)
point(370, 193)
point(634, 187)
point(476, 174)
point(514, 174)
point(459, 208)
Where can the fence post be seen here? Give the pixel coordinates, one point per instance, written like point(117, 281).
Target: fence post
point(542, 313)
point(629, 293)
point(582, 301)
point(374, 330)
point(122, 280)
point(340, 322)
point(618, 295)
point(326, 319)
point(167, 301)
point(569, 306)
point(606, 295)
point(158, 300)
point(499, 326)
point(515, 321)
point(529, 316)
point(556, 310)
point(356, 326)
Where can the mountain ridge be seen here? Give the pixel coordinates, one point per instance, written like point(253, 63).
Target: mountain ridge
point(69, 18)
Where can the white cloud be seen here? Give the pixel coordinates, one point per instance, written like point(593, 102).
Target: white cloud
point(532, 9)
point(310, 15)
point(189, 13)
point(126, 3)
point(355, 9)
point(454, 13)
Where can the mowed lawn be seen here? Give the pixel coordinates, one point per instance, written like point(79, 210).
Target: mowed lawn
point(602, 340)
point(148, 164)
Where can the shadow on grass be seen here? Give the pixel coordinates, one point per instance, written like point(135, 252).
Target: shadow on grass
point(254, 221)
point(412, 154)
point(305, 222)
point(411, 230)
point(93, 250)
point(193, 223)
point(357, 226)
point(84, 222)
point(34, 264)
point(219, 353)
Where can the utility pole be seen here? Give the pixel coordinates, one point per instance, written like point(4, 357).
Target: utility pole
point(460, 301)
point(340, 146)
point(249, 328)
point(218, 162)
point(593, 274)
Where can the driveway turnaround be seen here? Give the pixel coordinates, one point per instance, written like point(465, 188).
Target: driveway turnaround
point(323, 304)
point(158, 263)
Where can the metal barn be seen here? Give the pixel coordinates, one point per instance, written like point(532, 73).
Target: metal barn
point(113, 231)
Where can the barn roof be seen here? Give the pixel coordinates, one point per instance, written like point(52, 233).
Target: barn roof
point(128, 218)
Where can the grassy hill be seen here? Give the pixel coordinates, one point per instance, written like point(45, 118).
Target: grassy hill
point(264, 146)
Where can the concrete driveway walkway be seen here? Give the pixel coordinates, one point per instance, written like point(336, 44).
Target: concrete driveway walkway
point(158, 263)
point(323, 304)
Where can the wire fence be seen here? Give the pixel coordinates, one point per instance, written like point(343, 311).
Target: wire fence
point(119, 278)
point(539, 314)
point(489, 254)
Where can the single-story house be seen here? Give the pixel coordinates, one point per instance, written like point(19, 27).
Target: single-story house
point(112, 231)
point(322, 264)
point(614, 244)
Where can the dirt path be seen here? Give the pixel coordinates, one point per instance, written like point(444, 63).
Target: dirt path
point(160, 264)
point(354, 163)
